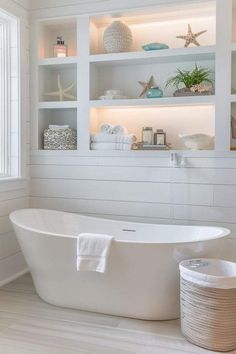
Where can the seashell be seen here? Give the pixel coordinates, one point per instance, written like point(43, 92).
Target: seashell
point(155, 46)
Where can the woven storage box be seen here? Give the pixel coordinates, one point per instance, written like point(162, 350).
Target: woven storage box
point(60, 139)
point(208, 303)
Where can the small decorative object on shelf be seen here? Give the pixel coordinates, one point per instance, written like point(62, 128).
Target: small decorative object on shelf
point(160, 137)
point(146, 86)
point(117, 38)
point(191, 37)
point(113, 95)
point(57, 137)
point(60, 49)
point(194, 82)
point(155, 46)
point(154, 92)
point(62, 94)
point(147, 135)
point(197, 141)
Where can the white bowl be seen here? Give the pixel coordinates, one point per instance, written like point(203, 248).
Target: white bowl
point(197, 141)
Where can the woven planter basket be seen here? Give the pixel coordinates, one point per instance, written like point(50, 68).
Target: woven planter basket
point(60, 139)
point(208, 316)
point(117, 38)
point(187, 92)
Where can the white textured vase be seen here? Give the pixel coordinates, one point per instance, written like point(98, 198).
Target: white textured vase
point(117, 38)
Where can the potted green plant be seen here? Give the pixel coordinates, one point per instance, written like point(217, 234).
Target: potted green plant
point(195, 82)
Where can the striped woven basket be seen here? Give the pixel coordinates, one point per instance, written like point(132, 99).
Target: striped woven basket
point(208, 316)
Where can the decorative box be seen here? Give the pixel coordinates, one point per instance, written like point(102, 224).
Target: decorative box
point(60, 139)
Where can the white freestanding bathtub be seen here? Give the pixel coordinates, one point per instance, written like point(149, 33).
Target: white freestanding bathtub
point(142, 279)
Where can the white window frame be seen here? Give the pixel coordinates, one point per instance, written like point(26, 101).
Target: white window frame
point(9, 96)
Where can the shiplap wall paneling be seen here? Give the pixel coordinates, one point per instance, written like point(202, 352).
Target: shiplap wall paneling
point(14, 194)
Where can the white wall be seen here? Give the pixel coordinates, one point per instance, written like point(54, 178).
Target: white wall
point(14, 194)
point(143, 189)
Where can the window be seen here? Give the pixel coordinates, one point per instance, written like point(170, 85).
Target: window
point(9, 96)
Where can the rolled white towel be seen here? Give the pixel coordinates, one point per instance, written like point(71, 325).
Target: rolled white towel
point(57, 127)
point(106, 128)
point(111, 146)
point(113, 138)
point(119, 129)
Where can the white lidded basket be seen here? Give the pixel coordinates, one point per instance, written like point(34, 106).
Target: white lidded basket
point(117, 38)
point(208, 303)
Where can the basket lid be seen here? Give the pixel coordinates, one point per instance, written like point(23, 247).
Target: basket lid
point(213, 273)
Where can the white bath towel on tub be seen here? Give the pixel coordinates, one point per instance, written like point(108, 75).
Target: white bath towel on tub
point(93, 251)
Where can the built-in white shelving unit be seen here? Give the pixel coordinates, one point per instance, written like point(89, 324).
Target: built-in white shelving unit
point(96, 71)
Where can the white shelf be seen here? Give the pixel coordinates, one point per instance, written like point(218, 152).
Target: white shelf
point(131, 153)
point(155, 56)
point(153, 102)
point(57, 61)
point(57, 104)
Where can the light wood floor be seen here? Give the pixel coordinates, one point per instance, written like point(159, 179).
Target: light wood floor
point(29, 325)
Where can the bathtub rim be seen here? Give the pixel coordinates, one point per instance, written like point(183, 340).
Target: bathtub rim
point(225, 233)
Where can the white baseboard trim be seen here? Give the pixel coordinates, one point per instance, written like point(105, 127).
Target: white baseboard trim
point(13, 277)
point(12, 267)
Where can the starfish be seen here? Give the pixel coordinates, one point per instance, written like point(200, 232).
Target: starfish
point(146, 85)
point(191, 37)
point(62, 93)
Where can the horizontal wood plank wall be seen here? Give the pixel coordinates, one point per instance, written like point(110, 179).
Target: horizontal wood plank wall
point(14, 194)
point(140, 189)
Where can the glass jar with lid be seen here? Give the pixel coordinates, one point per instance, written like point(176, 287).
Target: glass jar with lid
point(159, 137)
point(147, 135)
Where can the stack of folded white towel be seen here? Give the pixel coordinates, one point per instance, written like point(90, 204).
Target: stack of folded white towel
point(112, 138)
point(58, 127)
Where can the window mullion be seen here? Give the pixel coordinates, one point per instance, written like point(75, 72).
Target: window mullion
point(5, 98)
point(2, 152)
point(9, 96)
